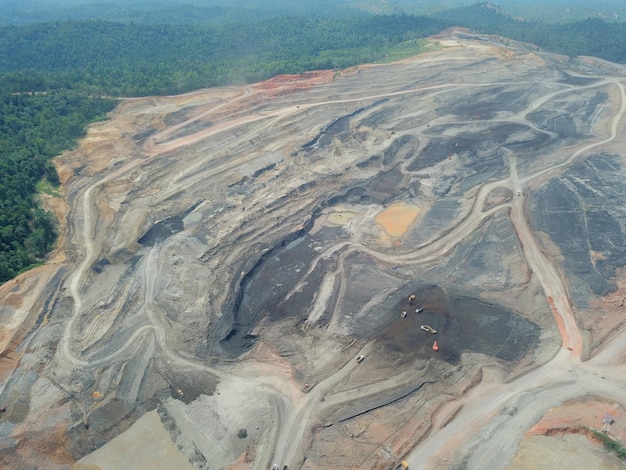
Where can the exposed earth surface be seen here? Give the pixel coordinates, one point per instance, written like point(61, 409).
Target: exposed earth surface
point(454, 221)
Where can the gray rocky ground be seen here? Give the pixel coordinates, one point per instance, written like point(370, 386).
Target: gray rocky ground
point(228, 253)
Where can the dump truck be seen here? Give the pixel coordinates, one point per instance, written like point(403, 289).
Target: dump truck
point(404, 465)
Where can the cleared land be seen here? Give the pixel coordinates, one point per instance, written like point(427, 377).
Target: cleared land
point(229, 253)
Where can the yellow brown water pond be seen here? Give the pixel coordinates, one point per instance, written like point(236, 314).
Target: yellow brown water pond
point(396, 219)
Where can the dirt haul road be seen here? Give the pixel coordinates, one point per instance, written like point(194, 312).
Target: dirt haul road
point(227, 261)
point(564, 377)
point(502, 445)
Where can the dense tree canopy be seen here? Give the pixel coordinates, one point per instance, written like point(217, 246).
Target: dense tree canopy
point(592, 37)
point(33, 129)
point(130, 59)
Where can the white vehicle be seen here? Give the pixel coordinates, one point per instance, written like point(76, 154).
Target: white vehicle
point(360, 358)
point(275, 466)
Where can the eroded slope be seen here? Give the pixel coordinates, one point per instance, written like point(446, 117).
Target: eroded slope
point(231, 251)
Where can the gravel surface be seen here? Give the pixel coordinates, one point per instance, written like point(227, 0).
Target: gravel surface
point(224, 262)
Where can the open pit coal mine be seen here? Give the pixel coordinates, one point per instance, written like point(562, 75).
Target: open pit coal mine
point(341, 269)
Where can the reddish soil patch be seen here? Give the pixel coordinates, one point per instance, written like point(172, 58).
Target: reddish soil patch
point(574, 415)
point(240, 464)
point(46, 445)
point(397, 218)
point(285, 84)
point(559, 323)
point(605, 316)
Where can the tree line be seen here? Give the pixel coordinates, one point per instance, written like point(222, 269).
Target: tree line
point(123, 59)
point(34, 128)
point(591, 37)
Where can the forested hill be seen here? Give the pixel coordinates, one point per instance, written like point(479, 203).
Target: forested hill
point(140, 59)
point(592, 37)
point(34, 128)
point(15, 12)
point(130, 59)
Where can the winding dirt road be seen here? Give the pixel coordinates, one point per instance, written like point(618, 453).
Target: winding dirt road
point(480, 427)
point(563, 377)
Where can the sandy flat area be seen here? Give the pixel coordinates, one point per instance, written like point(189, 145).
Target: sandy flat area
point(571, 451)
point(146, 445)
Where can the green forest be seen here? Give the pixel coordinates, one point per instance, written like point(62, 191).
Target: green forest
point(54, 75)
point(591, 37)
point(34, 128)
point(130, 60)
